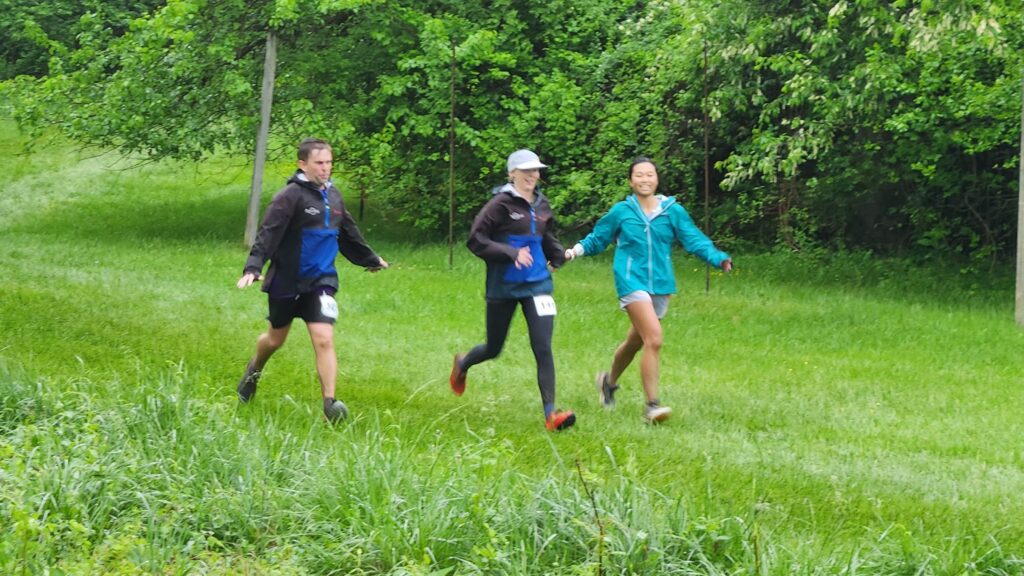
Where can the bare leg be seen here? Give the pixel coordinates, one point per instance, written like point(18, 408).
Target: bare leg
point(624, 355)
point(268, 343)
point(322, 335)
point(645, 332)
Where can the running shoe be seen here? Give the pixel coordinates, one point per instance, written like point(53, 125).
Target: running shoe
point(335, 410)
point(606, 390)
point(458, 378)
point(247, 385)
point(655, 413)
point(560, 420)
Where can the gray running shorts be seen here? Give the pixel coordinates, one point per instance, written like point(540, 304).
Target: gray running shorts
point(660, 301)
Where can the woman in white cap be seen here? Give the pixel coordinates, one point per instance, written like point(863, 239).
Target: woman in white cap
point(513, 234)
point(644, 227)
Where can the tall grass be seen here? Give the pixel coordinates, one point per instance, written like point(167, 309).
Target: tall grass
point(842, 416)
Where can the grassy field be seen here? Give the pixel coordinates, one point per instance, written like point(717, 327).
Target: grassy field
point(843, 416)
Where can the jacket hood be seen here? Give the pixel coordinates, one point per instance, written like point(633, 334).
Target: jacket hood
point(300, 178)
point(507, 187)
point(664, 202)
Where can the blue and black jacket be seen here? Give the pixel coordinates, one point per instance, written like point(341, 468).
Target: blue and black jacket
point(303, 230)
point(504, 225)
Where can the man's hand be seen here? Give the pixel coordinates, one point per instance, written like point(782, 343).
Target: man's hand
point(727, 266)
point(247, 279)
point(382, 265)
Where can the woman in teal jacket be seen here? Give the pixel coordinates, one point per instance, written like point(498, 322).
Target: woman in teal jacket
point(644, 226)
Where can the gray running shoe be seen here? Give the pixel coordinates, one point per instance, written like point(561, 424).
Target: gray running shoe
point(606, 390)
point(247, 385)
point(335, 410)
point(655, 413)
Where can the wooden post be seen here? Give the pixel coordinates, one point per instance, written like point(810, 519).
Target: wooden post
point(707, 169)
point(1019, 291)
point(362, 197)
point(266, 100)
point(451, 162)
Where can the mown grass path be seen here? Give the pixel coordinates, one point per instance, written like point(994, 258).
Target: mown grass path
point(844, 415)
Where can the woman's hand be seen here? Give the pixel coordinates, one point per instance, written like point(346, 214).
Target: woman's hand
point(524, 259)
point(574, 252)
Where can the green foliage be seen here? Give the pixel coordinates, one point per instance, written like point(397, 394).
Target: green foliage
point(877, 128)
point(34, 31)
point(834, 125)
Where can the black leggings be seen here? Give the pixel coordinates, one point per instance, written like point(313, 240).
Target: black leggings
point(499, 318)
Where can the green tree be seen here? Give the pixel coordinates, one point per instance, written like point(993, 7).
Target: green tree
point(888, 126)
point(33, 30)
point(882, 125)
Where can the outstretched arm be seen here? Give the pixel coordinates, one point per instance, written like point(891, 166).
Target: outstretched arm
point(600, 237)
point(553, 249)
point(353, 246)
point(694, 241)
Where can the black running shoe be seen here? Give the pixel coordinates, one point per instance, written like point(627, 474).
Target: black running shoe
point(606, 390)
point(335, 410)
point(247, 385)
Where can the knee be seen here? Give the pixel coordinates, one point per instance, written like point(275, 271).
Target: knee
point(653, 341)
point(631, 346)
point(541, 349)
point(272, 342)
point(323, 344)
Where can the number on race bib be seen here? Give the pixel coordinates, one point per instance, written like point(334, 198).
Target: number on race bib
point(545, 305)
point(329, 306)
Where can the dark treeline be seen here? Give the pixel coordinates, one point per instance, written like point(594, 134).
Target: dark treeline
point(889, 126)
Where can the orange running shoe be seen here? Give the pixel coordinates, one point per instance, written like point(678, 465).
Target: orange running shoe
point(458, 378)
point(560, 420)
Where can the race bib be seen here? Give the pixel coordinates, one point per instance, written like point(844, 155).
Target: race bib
point(545, 305)
point(329, 306)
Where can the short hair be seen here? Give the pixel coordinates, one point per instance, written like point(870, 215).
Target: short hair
point(641, 160)
point(310, 144)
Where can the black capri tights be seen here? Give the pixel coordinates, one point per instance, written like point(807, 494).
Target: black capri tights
point(499, 318)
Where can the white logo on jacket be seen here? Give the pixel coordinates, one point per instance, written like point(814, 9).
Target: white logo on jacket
point(515, 215)
point(312, 211)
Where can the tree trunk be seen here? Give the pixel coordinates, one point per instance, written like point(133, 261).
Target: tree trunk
point(1019, 292)
point(788, 190)
point(451, 162)
point(266, 100)
point(707, 167)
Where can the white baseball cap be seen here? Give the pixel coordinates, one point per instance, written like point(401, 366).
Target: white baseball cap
point(524, 160)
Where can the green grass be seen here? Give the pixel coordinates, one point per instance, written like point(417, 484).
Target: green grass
point(846, 416)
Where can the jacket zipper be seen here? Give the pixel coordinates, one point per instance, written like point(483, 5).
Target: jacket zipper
point(650, 260)
point(327, 209)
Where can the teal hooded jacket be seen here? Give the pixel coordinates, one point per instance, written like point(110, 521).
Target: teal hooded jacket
point(643, 244)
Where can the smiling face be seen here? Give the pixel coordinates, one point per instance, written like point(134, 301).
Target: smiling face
point(643, 179)
point(525, 181)
point(317, 166)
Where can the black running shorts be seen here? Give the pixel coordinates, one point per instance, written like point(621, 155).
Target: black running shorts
point(307, 306)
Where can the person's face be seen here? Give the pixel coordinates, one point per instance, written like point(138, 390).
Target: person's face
point(525, 180)
point(318, 166)
point(644, 179)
